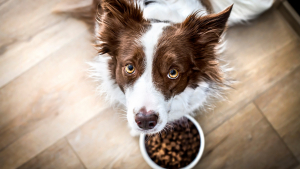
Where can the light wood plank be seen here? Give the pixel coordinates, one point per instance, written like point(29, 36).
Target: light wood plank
point(246, 141)
point(45, 108)
point(25, 55)
point(12, 65)
point(61, 75)
point(261, 54)
point(22, 20)
point(59, 155)
point(281, 106)
point(105, 142)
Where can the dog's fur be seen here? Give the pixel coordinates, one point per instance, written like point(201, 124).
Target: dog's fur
point(157, 36)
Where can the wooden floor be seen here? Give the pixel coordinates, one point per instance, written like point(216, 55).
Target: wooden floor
point(51, 117)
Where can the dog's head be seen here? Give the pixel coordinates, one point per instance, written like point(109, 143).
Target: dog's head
point(164, 69)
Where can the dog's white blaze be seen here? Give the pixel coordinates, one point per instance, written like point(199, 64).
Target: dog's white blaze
point(143, 92)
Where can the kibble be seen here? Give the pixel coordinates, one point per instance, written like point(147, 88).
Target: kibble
point(175, 148)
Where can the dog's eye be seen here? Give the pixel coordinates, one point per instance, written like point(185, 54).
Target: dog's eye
point(173, 74)
point(129, 69)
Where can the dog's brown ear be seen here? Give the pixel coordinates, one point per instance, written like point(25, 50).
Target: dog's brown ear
point(203, 33)
point(117, 17)
point(122, 10)
point(206, 29)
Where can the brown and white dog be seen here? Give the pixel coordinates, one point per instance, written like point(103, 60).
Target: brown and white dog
point(159, 58)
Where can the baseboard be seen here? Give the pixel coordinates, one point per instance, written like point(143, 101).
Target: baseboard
point(290, 15)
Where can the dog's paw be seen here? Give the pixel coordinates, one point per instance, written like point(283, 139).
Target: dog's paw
point(134, 133)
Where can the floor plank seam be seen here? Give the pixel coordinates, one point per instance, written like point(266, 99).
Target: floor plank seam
point(43, 29)
point(75, 152)
point(242, 107)
point(101, 110)
point(3, 48)
point(276, 132)
point(34, 156)
point(59, 139)
point(41, 59)
point(28, 40)
point(2, 149)
point(30, 37)
point(286, 76)
point(3, 3)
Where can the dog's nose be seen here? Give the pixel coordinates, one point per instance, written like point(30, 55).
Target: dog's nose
point(146, 120)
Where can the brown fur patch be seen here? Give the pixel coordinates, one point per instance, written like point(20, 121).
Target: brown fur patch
point(121, 25)
point(189, 47)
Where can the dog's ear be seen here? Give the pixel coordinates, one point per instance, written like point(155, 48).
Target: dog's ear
point(204, 33)
point(122, 10)
point(206, 29)
point(116, 17)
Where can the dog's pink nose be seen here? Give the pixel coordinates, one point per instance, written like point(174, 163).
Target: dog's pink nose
point(146, 120)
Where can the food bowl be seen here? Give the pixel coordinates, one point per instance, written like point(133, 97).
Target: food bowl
point(152, 164)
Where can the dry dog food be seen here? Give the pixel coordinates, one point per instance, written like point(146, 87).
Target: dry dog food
point(175, 148)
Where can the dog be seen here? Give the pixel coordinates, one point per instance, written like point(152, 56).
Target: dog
point(160, 59)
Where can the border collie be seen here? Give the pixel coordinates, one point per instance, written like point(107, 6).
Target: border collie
point(160, 59)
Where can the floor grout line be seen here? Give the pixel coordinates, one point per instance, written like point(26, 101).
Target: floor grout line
point(261, 112)
point(4, 2)
point(37, 154)
point(66, 140)
point(246, 104)
point(75, 152)
point(49, 55)
point(297, 67)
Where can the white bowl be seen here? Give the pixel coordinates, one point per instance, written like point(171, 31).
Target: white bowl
point(191, 165)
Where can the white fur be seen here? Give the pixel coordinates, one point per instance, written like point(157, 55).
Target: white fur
point(173, 10)
point(243, 10)
point(177, 10)
point(188, 101)
point(108, 87)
